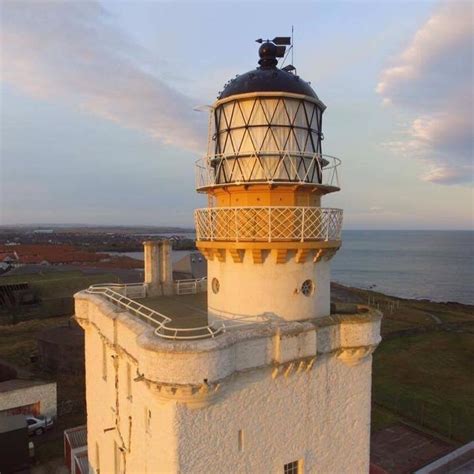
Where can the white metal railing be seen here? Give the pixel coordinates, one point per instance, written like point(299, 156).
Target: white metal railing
point(268, 224)
point(162, 323)
point(190, 286)
point(132, 290)
point(159, 321)
point(267, 167)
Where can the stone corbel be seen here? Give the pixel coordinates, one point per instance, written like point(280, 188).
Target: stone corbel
point(293, 367)
point(329, 254)
point(352, 356)
point(192, 395)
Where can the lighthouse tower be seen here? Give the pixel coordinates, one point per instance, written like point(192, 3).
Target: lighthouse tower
point(266, 237)
point(276, 380)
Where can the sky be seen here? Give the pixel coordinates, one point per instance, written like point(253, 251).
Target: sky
point(97, 105)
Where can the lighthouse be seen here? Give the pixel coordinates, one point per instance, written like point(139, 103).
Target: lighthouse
point(266, 237)
point(272, 378)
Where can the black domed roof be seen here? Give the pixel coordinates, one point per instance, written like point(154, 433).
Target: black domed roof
point(267, 78)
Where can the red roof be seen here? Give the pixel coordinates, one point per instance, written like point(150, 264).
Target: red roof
point(52, 254)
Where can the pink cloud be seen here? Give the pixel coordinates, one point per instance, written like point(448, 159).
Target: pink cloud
point(71, 51)
point(432, 79)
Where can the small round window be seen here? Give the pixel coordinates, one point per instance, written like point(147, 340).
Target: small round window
point(307, 288)
point(215, 285)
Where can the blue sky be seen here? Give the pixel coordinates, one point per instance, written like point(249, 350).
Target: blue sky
point(98, 127)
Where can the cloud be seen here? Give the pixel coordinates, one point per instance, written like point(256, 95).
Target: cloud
point(73, 52)
point(432, 79)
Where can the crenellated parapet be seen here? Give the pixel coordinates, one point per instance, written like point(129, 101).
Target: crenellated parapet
point(195, 373)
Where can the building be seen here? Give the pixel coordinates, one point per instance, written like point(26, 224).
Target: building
point(192, 265)
point(27, 397)
point(261, 377)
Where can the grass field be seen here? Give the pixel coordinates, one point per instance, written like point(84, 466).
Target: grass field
point(423, 369)
point(428, 378)
point(59, 284)
point(18, 341)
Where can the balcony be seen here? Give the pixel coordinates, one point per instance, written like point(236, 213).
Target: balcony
point(268, 224)
point(268, 167)
point(178, 317)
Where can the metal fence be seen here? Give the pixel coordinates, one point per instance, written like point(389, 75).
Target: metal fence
point(268, 223)
point(191, 286)
point(453, 424)
point(161, 323)
point(271, 167)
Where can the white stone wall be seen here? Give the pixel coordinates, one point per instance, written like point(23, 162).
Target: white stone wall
point(321, 417)
point(297, 390)
point(43, 393)
point(247, 289)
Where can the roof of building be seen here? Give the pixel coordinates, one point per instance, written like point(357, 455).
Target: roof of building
point(76, 436)
point(186, 311)
point(82, 461)
point(459, 461)
point(193, 264)
point(19, 384)
point(268, 78)
point(12, 423)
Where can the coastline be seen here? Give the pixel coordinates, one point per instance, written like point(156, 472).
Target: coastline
point(342, 291)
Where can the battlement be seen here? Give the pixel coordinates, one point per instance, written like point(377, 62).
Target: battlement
point(202, 367)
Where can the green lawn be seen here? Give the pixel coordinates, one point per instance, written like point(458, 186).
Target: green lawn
point(18, 341)
point(428, 378)
point(59, 284)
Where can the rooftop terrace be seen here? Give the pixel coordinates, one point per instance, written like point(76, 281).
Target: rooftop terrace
point(185, 311)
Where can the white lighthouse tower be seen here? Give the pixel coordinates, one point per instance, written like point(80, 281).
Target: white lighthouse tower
point(266, 237)
point(273, 381)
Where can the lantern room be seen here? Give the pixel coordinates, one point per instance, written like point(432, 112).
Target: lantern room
point(266, 126)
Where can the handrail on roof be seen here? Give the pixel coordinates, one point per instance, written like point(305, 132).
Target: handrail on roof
point(158, 320)
point(162, 327)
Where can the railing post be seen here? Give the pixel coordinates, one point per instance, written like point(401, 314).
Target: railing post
point(269, 224)
point(302, 224)
point(211, 226)
point(236, 226)
point(327, 226)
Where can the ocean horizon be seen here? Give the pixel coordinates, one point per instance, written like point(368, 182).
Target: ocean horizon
point(436, 265)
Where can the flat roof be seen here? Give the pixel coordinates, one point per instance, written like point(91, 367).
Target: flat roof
point(12, 423)
point(186, 311)
point(18, 384)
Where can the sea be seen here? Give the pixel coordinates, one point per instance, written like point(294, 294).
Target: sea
point(433, 265)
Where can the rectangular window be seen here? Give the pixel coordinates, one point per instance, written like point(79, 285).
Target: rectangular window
point(241, 441)
point(104, 361)
point(97, 458)
point(147, 420)
point(129, 381)
point(293, 467)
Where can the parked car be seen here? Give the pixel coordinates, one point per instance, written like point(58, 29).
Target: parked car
point(38, 424)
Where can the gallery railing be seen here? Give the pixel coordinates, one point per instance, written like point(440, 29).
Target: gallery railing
point(268, 224)
point(268, 167)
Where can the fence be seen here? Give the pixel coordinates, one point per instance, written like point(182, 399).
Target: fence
point(383, 304)
point(192, 286)
point(457, 425)
point(161, 323)
point(267, 167)
point(268, 224)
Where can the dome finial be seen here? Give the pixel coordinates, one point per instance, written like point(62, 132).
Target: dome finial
point(270, 50)
point(268, 54)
